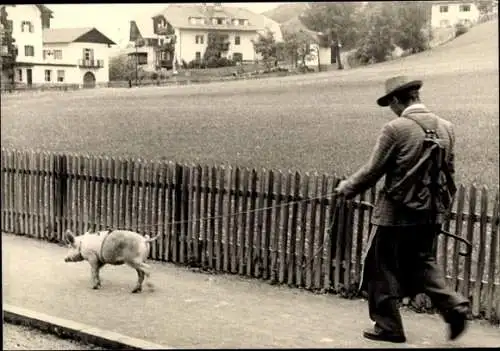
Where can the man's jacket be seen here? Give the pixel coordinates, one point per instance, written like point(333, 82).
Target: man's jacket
point(398, 148)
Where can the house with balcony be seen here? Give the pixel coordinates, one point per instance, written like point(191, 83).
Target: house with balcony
point(46, 56)
point(450, 13)
point(181, 33)
point(76, 56)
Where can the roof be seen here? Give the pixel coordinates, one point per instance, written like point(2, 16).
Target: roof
point(44, 8)
point(145, 26)
point(178, 16)
point(70, 35)
point(453, 2)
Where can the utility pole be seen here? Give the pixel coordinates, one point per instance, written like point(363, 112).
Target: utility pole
point(136, 66)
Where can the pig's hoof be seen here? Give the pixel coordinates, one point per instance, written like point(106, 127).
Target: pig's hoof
point(137, 289)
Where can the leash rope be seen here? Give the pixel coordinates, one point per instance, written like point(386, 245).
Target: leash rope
point(329, 230)
point(187, 221)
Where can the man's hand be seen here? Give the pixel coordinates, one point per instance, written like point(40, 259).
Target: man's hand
point(340, 189)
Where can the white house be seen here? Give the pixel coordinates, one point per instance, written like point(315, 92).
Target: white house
point(450, 13)
point(55, 56)
point(26, 23)
point(323, 53)
point(76, 56)
point(180, 33)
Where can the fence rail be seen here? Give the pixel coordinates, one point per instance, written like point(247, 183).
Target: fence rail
point(267, 224)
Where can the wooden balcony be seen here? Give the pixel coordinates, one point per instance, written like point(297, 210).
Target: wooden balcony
point(90, 63)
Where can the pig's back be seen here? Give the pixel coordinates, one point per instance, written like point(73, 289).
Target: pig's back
point(120, 245)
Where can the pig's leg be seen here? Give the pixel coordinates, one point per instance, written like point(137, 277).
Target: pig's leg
point(142, 271)
point(140, 279)
point(95, 266)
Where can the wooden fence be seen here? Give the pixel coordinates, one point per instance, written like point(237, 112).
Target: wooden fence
point(266, 224)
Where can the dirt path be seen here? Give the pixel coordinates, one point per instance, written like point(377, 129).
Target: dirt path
point(193, 310)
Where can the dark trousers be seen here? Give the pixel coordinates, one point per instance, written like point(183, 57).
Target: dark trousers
point(401, 263)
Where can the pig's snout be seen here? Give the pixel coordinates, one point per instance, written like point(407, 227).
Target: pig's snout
point(74, 258)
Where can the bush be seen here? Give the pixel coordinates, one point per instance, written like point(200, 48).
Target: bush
point(212, 62)
point(154, 76)
point(460, 29)
point(224, 62)
point(195, 64)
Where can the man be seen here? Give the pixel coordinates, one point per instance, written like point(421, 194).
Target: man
point(400, 258)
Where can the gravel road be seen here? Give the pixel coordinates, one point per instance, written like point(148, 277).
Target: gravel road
point(17, 337)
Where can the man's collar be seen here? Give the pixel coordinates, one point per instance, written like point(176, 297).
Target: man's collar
point(413, 108)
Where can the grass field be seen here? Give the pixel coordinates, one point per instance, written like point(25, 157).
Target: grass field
point(325, 122)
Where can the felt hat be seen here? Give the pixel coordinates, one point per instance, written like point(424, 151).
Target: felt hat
point(397, 84)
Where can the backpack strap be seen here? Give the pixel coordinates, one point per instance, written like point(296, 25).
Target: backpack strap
point(424, 128)
point(433, 190)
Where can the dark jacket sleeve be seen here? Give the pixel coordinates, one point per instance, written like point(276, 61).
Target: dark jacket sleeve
point(368, 175)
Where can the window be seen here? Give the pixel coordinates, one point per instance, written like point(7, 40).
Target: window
point(220, 20)
point(45, 53)
point(142, 58)
point(60, 75)
point(464, 8)
point(242, 22)
point(58, 54)
point(29, 50)
point(198, 56)
point(26, 26)
point(20, 75)
point(88, 54)
point(237, 40)
point(443, 8)
point(200, 39)
point(47, 75)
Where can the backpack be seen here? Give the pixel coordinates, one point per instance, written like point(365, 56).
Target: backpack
point(428, 185)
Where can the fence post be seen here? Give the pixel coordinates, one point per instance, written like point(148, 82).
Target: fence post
point(178, 209)
point(60, 169)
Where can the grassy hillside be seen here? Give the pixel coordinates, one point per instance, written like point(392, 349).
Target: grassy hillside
point(325, 122)
point(285, 12)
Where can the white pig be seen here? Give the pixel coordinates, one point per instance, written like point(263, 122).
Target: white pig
point(114, 247)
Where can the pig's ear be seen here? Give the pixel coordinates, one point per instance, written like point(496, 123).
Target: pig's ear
point(69, 237)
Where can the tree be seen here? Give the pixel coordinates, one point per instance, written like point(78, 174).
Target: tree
point(122, 67)
point(339, 21)
point(267, 47)
point(484, 6)
point(216, 44)
point(411, 22)
point(8, 49)
point(298, 46)
point(379, 25)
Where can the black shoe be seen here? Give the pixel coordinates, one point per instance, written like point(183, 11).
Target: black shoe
point(382, 335)
point(457, 320)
